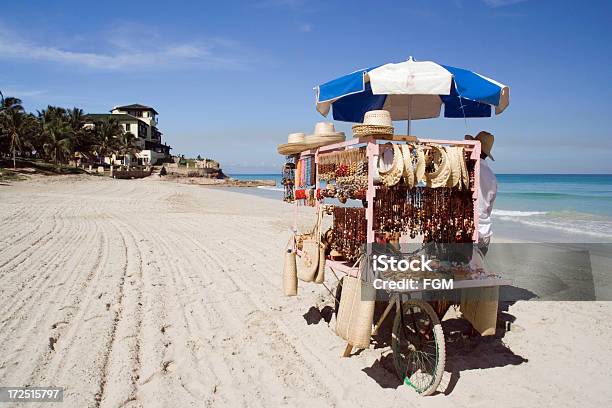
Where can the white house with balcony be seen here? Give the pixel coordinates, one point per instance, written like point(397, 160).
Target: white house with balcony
point(141, 121)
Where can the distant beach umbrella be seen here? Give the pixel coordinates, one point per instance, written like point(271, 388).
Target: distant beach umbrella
point(412, 90)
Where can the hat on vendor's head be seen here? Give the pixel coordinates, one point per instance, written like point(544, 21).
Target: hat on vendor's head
point(486, 142)
point(375, 123)
point(324, 134)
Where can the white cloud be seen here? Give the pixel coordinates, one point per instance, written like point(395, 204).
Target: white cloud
point(22, 93)
point(213, 53)
point(305, 28)
point(501, 3)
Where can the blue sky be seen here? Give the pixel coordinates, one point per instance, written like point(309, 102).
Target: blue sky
point(231, 79)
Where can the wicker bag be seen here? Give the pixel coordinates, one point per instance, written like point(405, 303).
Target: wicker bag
point(308, 264)
point(290, 274)
point(355, 316)
point(309, 260)
point(320, 277)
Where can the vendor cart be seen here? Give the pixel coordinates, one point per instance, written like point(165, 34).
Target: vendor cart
point(417, 337)
point(373, 98)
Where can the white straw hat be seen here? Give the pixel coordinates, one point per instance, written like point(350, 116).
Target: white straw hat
point(324, 134)
point(378, 118)
point(296, 137)
point(324, 129)
point(295, 143)
point(375, 123)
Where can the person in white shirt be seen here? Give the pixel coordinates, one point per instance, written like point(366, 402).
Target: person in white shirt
point(481, 303)
point(487, 191)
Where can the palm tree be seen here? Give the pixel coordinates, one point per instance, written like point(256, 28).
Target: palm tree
point(16, 124)
point(126, 145)
point(83, 139)
point(10, 103)
point(107, 134)
point(52, 113)
point(58, 140)
point(75, 118)
point(56, 133)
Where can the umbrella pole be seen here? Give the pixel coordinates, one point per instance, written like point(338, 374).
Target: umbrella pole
point(409, 111)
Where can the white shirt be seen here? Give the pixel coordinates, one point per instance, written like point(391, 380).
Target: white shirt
point(486, 198)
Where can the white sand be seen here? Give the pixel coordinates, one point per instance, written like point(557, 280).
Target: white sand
point(147, 293)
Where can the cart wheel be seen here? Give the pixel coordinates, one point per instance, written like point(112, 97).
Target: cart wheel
point(419, 353)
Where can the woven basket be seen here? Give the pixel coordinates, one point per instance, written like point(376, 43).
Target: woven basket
point(320, 276)
point(290, 274)
point(309, 260)
point(355, 316)
point(381, 132)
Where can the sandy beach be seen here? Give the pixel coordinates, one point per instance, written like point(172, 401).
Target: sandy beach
point(148, 293)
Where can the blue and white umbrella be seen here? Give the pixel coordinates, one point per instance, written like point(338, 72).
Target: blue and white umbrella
point(412, 90)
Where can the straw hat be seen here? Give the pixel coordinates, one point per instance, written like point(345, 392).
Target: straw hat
point(324, 134)
point(296, 137)
point(295, 143)
point(486, 142)
point(375, 123)
point(323, 130)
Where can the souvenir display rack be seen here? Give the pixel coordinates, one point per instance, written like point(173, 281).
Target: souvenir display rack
point(415, 213)
point(372, 148)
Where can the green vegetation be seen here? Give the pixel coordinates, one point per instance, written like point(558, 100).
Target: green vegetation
point(22, 167)
point(57, 135)
point(10, 175)
point(29, 165)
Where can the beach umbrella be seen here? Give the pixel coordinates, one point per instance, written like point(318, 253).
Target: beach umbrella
point(412, 90)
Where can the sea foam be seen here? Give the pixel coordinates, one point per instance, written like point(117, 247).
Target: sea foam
point(510, 213)
point(271, 188)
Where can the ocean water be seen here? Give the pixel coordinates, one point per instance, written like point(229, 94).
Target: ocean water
point(542, 207)
point(575, 206)
point(273, 192)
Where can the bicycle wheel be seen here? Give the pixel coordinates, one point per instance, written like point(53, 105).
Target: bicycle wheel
point(419, 353)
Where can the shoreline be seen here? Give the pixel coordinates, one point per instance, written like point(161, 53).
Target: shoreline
point(505, 230)
point(509, 225)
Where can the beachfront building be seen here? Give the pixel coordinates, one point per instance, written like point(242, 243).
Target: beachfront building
point(141, 121)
